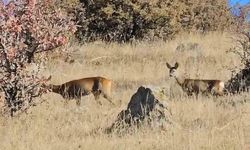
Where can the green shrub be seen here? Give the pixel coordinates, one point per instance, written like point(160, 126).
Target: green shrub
point(124, 20)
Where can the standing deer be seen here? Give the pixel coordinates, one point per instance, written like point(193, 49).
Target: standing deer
point(75, 89)
point(197, 86)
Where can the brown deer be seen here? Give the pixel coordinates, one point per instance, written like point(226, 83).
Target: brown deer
point(75, 89)
point(197, 86)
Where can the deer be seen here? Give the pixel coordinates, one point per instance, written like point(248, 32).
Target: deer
point(197, 86)
point(75, 89)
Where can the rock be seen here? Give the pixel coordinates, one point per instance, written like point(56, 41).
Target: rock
point(143, 107)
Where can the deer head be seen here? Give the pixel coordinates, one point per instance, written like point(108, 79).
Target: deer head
point(172, 70)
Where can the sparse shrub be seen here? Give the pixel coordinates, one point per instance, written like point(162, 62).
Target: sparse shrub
point(240, 81)
point(125, 20)
point(27, 27)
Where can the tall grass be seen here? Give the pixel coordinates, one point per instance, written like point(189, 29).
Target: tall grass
point(206, 123)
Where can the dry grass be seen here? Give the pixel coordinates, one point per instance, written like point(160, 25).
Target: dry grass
point(206, 123)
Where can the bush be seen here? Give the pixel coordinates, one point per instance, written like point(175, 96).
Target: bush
point(124, 20)
point(240, 81)
point(27, 27)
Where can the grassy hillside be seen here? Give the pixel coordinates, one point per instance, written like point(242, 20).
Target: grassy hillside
point(207, 123)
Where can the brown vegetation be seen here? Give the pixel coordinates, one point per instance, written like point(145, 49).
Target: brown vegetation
point(206, 123)
point(148, 20)
point(240, 80)
point(201, 123)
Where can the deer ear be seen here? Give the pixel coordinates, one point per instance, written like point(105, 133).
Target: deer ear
point(169, 66)
point(176, 65)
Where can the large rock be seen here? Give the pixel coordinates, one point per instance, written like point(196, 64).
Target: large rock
point(143, 107)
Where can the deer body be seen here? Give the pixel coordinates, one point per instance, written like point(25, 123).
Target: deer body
point(75, 89)
point(197, 86)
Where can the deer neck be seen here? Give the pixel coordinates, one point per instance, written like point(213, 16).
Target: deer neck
point(180, 80)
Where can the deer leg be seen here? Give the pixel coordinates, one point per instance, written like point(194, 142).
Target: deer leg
point(97, 96)
point(66, 101)
point(78, 100)
point(196, 95)
point(108, 98)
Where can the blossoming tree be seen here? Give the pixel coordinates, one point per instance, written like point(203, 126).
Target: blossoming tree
point(26, 28)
